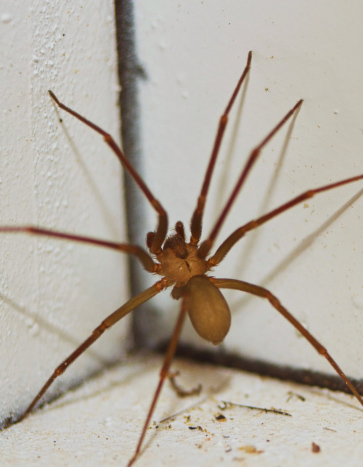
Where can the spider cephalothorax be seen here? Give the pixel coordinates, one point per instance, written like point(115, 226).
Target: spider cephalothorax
point(178, 260)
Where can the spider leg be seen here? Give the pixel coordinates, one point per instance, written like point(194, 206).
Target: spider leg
point(196, 222)
point(163, 375)
point(162, 227)
point(223, 250)
point(205, 247)
point(139, 252)
point(275, 302)
point(106, 324)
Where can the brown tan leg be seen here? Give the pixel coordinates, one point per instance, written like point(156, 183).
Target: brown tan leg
point(162, 227)
point(197, 218)
point(139, 252)
point(264, 293)
point(241, 231)
point(163, 375)
point(107, 323)
point(206, 246)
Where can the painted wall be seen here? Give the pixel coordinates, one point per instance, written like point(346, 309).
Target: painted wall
point(60, 176)
point(311, 258)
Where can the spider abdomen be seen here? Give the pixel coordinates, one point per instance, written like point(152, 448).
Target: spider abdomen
point(207, 309)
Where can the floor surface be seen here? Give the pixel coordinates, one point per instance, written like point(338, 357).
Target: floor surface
point(99, 423)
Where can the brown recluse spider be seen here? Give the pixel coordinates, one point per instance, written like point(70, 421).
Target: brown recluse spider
point(185, 265)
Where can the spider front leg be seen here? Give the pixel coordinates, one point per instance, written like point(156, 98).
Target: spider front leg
point(197, 218)
point(162, 227)
point(275, 302)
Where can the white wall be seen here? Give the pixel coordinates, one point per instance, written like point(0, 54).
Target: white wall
point(61, 176)
point(311, 258)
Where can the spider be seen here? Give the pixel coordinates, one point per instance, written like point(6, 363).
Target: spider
point(183, 265)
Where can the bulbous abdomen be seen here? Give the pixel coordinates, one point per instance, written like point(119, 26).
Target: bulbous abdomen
point(207, 309)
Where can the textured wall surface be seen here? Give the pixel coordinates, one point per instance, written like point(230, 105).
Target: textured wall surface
point(61, 176)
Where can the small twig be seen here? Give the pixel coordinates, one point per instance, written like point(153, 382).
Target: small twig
point(263, 409)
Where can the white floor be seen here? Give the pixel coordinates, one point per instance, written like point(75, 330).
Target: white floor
point(99, 423)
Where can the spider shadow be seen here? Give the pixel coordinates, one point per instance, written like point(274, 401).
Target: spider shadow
point(296, 252)
point(96, 385)
point(225, 172)
point(104, 210)
point(37, 320)
point(252, 240)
